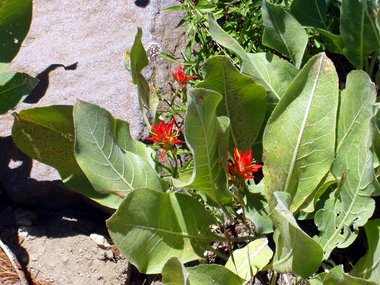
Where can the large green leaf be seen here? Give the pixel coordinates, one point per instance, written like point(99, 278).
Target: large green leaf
point(203, 135)
point(358, 30)
point(213, 274)
point(249, 260)
point(244, 102)
point(14, 87)
point(300, 134)
point(47, 135)
point(110, 169)
point(15, 19)
point(368, 266)
point(295, 251)
point(151, 227)
point(283, 33)
point(351, 206)
point(310, 13)
point(269, 70)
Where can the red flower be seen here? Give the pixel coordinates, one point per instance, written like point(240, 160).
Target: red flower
point(164, 135)
point(242, 167)
point(182, 78)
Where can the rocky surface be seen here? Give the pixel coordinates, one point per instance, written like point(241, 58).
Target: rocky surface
point(76, 49)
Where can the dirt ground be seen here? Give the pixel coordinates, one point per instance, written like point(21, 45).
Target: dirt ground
point(67, 246)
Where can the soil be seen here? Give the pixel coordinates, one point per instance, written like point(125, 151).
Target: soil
point(67, 246)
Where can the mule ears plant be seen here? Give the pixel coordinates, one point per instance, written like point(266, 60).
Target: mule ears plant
point(15, 19)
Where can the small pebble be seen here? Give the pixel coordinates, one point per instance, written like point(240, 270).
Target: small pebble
point(100, 241)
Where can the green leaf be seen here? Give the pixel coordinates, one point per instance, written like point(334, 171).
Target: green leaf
point(249, 260)
point(213, 274)
point(269, 70)
point(283, 33)
point(203, 135)
point(310, 13)
point(47, 135)
point(359, 32)
point(174, 273)
point(352, 206)
point(15, 19)
point(299, 138)
point(110, 169)
point(138, 61)
point(257, 210)
point(244, 102)
point(368, 266)
point(333, 42)
point(295, 251)
point(14, 88)
point(337, 276)
point(151, 227)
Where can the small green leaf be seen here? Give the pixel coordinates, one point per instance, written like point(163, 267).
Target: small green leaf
point(174, 273)
point(337, 276)
point(14, 88)
point(151, 227)
point(244, 102)
point(203, 135)
point(295, 250)
point(213, 274)
point(249, 260)
point(299, 139)
point(15, 19)
point(368, 266)
point(110, 169)
point(283, 33)
point(310, 13)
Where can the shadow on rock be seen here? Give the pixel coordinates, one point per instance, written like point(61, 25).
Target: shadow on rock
point(18, 186)
point(40, 90)
point(142, 3)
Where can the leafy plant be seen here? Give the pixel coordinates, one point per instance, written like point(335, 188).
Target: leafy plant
point(15, 19)
point(199, 199)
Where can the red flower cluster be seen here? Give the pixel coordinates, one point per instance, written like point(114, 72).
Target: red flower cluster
point(164, 135)
point(181, 77)
point(242, 167)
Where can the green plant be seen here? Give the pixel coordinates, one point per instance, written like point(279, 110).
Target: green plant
point(198, 200)
point(15, 19)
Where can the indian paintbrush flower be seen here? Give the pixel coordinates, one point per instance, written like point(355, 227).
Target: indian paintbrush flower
point(242, 167)
point(165, 136)
point(181, 77)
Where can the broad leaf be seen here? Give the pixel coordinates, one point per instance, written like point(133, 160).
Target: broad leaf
point(174, 273)
point(351, 206)
point(368, 266)
point(110, 169)
point(269, 70)
point(299, 137)
point(47, 135)
point(283, 33)
point(295, 251)
point(244, 102)
point(203, 136)
point(311, 13)
point(15, 19)
point(14, 87)
point(359, 32)
point(249, 260)
point(151, 227)
point(213, 274)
